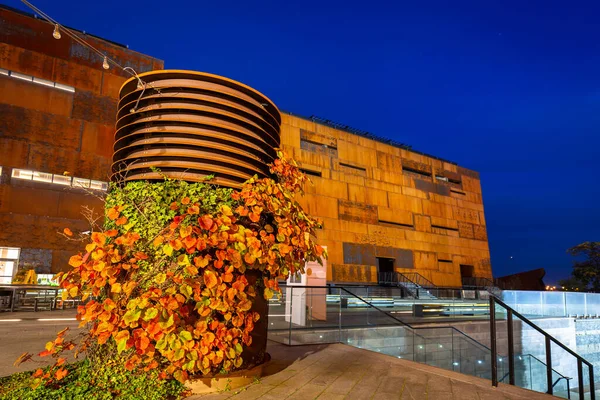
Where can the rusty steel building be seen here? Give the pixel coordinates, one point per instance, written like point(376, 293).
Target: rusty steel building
point(384, 206)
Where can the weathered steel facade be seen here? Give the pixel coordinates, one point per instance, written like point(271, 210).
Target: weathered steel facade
point(192, 124)
point(382, 205)
point(57, 115)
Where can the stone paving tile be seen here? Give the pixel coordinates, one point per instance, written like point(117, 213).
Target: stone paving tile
point(331, 396)
point(252, 392)
point(360, 392)
point(392, 385)
point(306, 392)
point(340, 372)
point(345, 382)
point(279, 392)
point(463, 391)
point(414, 391)
point(212, 396)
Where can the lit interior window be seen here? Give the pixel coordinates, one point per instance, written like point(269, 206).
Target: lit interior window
point(39, 81)
point(22, 174)
point(98, 185)
point(61, 180)
point(42, 177)
point(57, 179)
point(9, 257)
point(80, 182)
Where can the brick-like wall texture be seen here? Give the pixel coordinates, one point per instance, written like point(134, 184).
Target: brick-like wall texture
point(51, 130)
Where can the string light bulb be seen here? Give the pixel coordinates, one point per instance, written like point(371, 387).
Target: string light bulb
point(140, 85)
point(56, 32)
point(105, 63)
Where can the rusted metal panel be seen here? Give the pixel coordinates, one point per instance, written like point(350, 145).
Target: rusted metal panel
point(431, 187)
point(21, 30)
point(357, 212)
point(189, 125)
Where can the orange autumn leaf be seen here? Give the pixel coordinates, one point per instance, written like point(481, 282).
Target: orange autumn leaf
point(112, 213)
point(61, 373)
point(121, 221)
point(193, 210)
point(75, 261)
point(210, 279)
point(185, 200)
point(206, 222)
point(185, 231)
point(67, 232)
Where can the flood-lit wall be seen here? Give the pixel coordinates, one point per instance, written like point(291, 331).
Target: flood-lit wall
point(380, 200)
point(57, 113)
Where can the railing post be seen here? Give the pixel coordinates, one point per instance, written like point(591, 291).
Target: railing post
point(592, 385)
point(494, 360)
point(511, 348)
point(291, 314)
point(340, 316)
point(580, 379)
point(549, 364)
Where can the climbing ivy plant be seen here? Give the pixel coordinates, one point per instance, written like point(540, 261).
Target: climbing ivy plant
point(165, 283)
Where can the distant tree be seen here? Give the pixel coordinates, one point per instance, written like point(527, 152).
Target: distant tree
point(572, 284)
point(587, 271)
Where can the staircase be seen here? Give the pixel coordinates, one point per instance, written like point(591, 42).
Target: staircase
point(441, 346)
point(414, 284)
point(478, 283)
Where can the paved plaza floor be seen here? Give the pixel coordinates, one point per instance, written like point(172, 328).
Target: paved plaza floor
point(300, 372)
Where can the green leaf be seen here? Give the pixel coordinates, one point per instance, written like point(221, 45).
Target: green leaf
point(121, 345)
point(150, 314)
point(162, 343)
point(238, 348)
point(185, 336)
point(132, 316)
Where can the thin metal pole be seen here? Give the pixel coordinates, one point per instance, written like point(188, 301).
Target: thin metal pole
point(494, 360)
point(511, 348)
point(592, 385)
point(340, 315)
point(549, 364)
point(580, 379)
point(291, 315)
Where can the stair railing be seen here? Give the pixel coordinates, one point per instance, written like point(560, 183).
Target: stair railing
point(549, 339)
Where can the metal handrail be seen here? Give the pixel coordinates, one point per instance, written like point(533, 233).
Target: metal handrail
point(549, 339)
point(492, 349)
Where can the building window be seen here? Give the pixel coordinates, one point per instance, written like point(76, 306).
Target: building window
point(9, 258)
point(39, 81)
point(58, 179)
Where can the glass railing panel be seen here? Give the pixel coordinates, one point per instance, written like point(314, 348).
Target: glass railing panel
point(592, 301)
point(575, 304)
point(553, 304)
point(529, 303)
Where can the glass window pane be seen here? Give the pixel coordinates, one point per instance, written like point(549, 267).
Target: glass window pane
point(98, 185)
point(21, 76)
point(6, 271)
point(10, 253)
point(22, 174)
point(80, 182)
point(42, 177)
point(64, 87)
point(62, 180)
point(43, 82)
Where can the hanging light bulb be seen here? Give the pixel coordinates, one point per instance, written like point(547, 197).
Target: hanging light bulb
point(105, 63)
point(56, 32)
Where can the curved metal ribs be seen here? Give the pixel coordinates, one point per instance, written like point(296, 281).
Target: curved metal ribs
point(192, 124)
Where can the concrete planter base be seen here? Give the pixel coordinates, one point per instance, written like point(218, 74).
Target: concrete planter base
point(222, 383)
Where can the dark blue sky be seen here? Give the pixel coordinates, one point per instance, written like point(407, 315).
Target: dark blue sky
point(508, 88)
